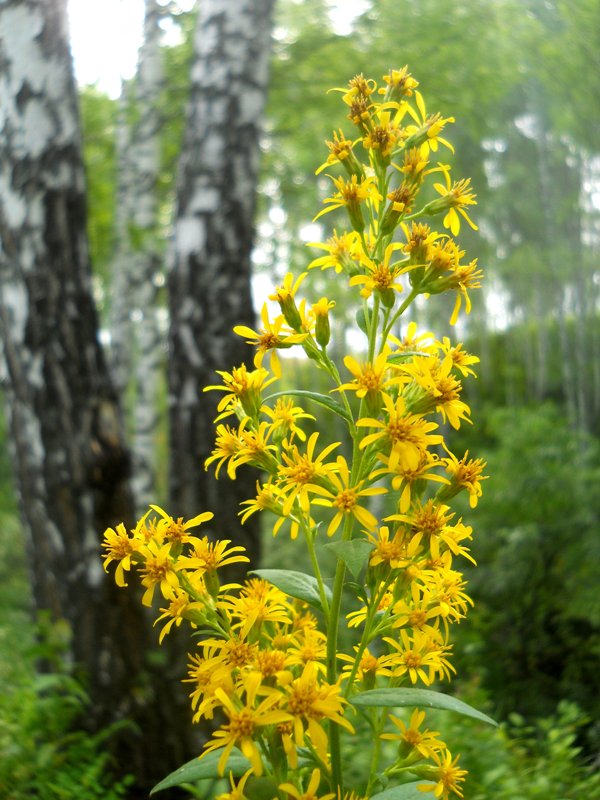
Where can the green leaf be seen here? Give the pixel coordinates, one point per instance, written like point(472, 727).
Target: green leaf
point(354, 553)
point(361, 320)
point(400, 358)
point(296, 584)
point(322, 399)
point(408, 791)
point(418, 698)
point(199, 769)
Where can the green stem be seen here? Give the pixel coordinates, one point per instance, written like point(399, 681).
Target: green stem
point(398, 314)
point(332, 640)
point(310, 543)
point(378, 723)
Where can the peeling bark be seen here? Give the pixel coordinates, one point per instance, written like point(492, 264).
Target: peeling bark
point(209, 282)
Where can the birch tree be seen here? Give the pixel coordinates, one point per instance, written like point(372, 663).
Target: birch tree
point(70, 463)
point(135, 333)
point(209, 281)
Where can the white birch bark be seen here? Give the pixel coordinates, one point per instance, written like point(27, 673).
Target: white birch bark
point(147, 261)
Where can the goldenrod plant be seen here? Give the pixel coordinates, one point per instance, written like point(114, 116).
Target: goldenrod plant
point(285, 698)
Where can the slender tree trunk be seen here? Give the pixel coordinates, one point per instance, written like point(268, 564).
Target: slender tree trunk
point(147, 257)
point(209, 282)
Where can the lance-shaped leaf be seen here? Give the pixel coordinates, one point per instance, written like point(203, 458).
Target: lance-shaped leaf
point(322, 399)
point(418, 698)
point(409, 791)
point(296, 584)
point(353, 553)
point(199, 769)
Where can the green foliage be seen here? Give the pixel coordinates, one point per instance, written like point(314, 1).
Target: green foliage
point(42, 754)
point(98, 115)
point(536, 621)
point(528, 761)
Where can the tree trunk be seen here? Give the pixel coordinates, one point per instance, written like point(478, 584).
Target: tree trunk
point(147, 258)
point(70, 464)
point(209, 282)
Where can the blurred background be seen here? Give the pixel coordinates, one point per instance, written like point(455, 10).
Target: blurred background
point(522, 80)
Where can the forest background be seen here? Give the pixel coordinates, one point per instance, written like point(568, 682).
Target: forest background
point(522, 79)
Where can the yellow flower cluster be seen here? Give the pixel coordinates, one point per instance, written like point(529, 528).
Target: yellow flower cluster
point(267, 663)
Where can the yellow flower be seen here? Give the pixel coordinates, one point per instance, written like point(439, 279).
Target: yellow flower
point(406, 479)
point(345, 498)
point(180, 608)
point(208, 556)
point(396, 552)
point(381, 277)
point(243, 389)
point(311, 792)
point(447, 776)
point(120, 546)
point(435, 388)
point(259, 602)
point(243, 728)
point(312, 701)
point(407, 435)
point(236, 791)
point(299, 471)
point(464, 474)
point(158, 569)
point(176, 530)
point(227, 446)
point(461, 360)
point(400, 83)
point(426, 743)
point(342, 252)
point(419, 656)
point(285, 295)
point(285, 416)
point(340, 152)
point(428, 128)
point(371, 378)
point(350, 194)
point(272, 336)
point(454, 197)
